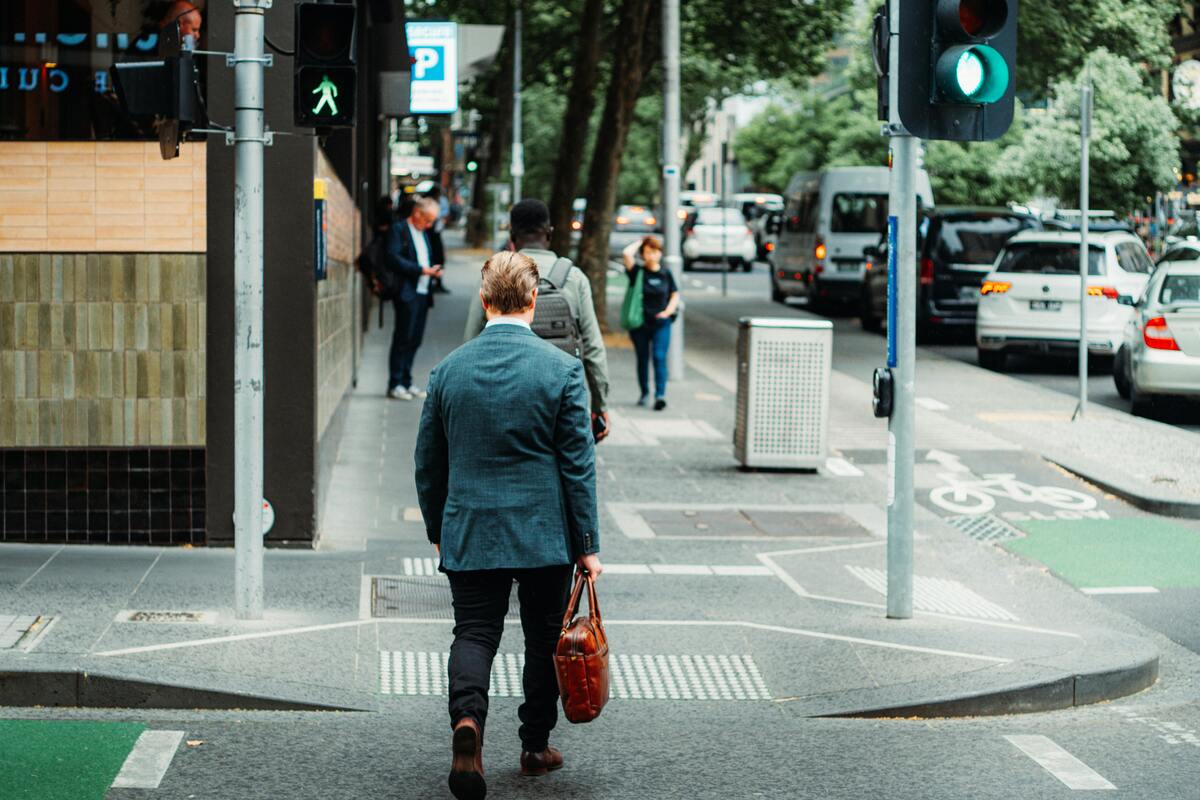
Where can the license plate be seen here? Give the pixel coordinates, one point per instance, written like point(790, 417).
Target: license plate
point(1045, 305)
point(968, 294)
point(848, 267)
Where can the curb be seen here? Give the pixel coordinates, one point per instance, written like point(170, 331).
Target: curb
point(1155, 504)
point(82, 689)
point(1054, 694)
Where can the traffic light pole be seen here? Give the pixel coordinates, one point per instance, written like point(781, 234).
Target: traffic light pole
point(902, 235)
point(1085, 129)
point(517, 168)
point(249, 139)
point(672, 248)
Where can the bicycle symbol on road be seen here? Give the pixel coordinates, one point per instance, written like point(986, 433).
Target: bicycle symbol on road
point(965, 494)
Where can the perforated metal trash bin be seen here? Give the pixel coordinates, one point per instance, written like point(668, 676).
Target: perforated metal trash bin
point(783, 392)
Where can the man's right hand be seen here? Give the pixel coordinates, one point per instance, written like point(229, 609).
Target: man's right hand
point(431, 271)
point(590, 564)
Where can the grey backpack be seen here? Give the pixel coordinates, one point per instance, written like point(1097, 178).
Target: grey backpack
point(552, 319)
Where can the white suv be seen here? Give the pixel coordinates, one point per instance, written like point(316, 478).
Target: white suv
point(1030, 299)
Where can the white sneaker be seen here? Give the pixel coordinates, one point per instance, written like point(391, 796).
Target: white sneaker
point(400, 393)
point(417, 391)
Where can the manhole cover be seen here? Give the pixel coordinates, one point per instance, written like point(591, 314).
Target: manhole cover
point(170, 617)
point(405, 597)
point(735, 523)
point(984, 527)
point(13, 628)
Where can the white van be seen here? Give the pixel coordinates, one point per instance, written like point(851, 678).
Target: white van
point(829, 218)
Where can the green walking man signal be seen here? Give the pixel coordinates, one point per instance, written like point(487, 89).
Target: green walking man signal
point(328, 90)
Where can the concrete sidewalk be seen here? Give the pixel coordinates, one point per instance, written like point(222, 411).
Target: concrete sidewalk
point(735, 589)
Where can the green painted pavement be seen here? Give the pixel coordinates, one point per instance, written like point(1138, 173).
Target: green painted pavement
point(44, 760)
point(1140, 551)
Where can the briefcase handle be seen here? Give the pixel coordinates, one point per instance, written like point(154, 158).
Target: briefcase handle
point(582, 577)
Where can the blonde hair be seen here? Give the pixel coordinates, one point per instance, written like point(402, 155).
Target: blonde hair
point(509, 280)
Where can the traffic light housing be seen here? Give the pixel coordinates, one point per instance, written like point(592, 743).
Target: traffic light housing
point(325, 71)
point(167, 90)
point(957, 68)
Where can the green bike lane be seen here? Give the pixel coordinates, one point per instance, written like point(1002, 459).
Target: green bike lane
point(63, 759)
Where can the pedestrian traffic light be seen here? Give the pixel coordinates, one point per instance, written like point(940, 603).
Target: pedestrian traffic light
point(958, 63)
point(165, 92)
point(325, 72)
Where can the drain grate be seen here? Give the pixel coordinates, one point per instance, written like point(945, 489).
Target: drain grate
point(633, 677)
point(168, 617)
point(414, 597)
point(985, 527)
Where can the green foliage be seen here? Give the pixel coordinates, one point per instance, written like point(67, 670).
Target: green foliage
point(1134, 149)
point(639, 178)
point(1055, 37)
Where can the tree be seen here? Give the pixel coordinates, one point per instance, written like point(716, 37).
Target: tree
point(1134, 149)
point(968, 173)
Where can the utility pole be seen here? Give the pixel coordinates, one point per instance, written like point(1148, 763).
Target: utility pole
point(518, 147)
point(249, 140)
point(724, 205)
point(672, 255)
point(902, 318)
point(1085, 130)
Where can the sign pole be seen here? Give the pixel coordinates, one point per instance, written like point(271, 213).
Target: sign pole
point(902, 228)
point(1085, 129)
point(518, 146)
point(672, 258)
point(249, 140)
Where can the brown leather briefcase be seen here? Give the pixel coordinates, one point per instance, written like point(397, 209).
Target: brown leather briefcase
point(581, 658)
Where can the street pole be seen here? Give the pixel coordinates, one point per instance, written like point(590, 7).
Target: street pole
point(1085, 129)
point(902, 235)
point(249, 140)
point(518, 146)
point(724, 205)
point(672, 255)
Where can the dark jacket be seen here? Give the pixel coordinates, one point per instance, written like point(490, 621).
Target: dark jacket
point(505, 461)
point(402, 258)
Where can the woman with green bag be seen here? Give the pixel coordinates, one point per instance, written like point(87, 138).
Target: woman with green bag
point(647, 313)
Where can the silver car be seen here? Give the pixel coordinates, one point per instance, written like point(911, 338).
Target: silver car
point(1160, 354)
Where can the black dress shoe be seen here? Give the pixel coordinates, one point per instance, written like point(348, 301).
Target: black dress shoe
point(660, 404)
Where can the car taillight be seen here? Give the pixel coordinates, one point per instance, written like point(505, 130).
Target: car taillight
point(926, 271)
point(820, 252)
point(649, 221)
point(576, 225)
point(780, 273)
point(1158, 336)
point(622, 220)
point(681, 213)
point(797, 276)
point(994, 287)
point(770, 247)
point(1103, 291)
point(869, 266)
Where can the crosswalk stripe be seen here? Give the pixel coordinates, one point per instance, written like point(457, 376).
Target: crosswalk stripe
point(1072, 772)
point(149, 760)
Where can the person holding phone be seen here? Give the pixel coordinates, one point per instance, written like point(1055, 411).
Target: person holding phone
point(410, 253)
point(660, 296)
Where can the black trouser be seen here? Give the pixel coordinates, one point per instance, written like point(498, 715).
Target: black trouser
point(480, 603)
point(406, 338)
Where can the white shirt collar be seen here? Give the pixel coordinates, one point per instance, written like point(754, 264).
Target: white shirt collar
point(508, 321)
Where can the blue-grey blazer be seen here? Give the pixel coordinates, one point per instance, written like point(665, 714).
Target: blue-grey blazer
point(505, 459)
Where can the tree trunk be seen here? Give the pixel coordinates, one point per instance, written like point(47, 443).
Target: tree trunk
point(581, 100)
point(630, 64)
point(498, 145)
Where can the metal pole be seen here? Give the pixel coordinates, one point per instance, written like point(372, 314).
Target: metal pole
point(902, 424)
point(1085, 126)
point(672, 252)
point(249, 140)
point(518, 146)
point(724, 205)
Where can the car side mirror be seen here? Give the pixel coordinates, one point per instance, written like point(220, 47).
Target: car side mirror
point(1126, 300)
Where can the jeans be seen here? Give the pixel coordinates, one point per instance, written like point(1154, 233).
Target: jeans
point(480, 603)
point(406, 338)
point(654, 336)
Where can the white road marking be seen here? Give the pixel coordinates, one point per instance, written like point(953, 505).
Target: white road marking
point(149, 760)
point(931, 404)
point(708, 398)
point(948, 460)
point(45, 564)
point(36, 640)
point(842, 468)
point(742, 570)
point(627, 569)
point(1119, 590)
point(413, 514)
point(680, 569)
point(1073, 773)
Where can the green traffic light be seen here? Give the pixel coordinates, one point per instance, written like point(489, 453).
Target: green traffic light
point(472, 166)
point(973, 73)
point(328, 90)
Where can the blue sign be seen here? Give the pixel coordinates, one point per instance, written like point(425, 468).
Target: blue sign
point(429, 63)
point(893, 244)
point(433, 47)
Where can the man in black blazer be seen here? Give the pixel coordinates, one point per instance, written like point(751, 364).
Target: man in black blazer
point(412, 255)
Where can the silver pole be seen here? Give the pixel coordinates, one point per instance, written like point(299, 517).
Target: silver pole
point(672, 255)
point(518, 146)
point(902, 424)
point(248, 308)
point(1085, 126)
point(724, 205)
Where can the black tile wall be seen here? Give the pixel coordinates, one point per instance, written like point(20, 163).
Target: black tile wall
point(96, 496)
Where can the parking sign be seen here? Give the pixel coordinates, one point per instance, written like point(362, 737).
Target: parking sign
point(434, 50)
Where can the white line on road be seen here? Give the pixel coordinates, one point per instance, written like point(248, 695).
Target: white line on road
point(36, 640)
point(931, 404)
point(1073, 773)
point(149, 760)
point(842, 468)
point(45, 564)
point(1119, 590)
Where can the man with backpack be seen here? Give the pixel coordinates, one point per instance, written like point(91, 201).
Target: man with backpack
point(565, 316)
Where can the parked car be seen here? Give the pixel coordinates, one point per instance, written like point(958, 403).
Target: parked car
point(718, 235)
point(956, 248)
point(1030, 299)
point(830, 218)
point(762, 211)
point(630, 224)
point(1160, 353)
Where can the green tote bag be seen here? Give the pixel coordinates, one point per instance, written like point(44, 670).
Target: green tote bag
point(633, 312)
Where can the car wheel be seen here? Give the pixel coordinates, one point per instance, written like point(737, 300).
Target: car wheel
point(992, 359)
point(747, 266)
point(1121, 373)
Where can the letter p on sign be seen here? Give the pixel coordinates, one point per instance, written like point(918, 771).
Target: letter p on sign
point(430, 65)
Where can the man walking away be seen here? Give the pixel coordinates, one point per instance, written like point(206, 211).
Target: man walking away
point(529, 223)
point(410, 253)
point(505, 469)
